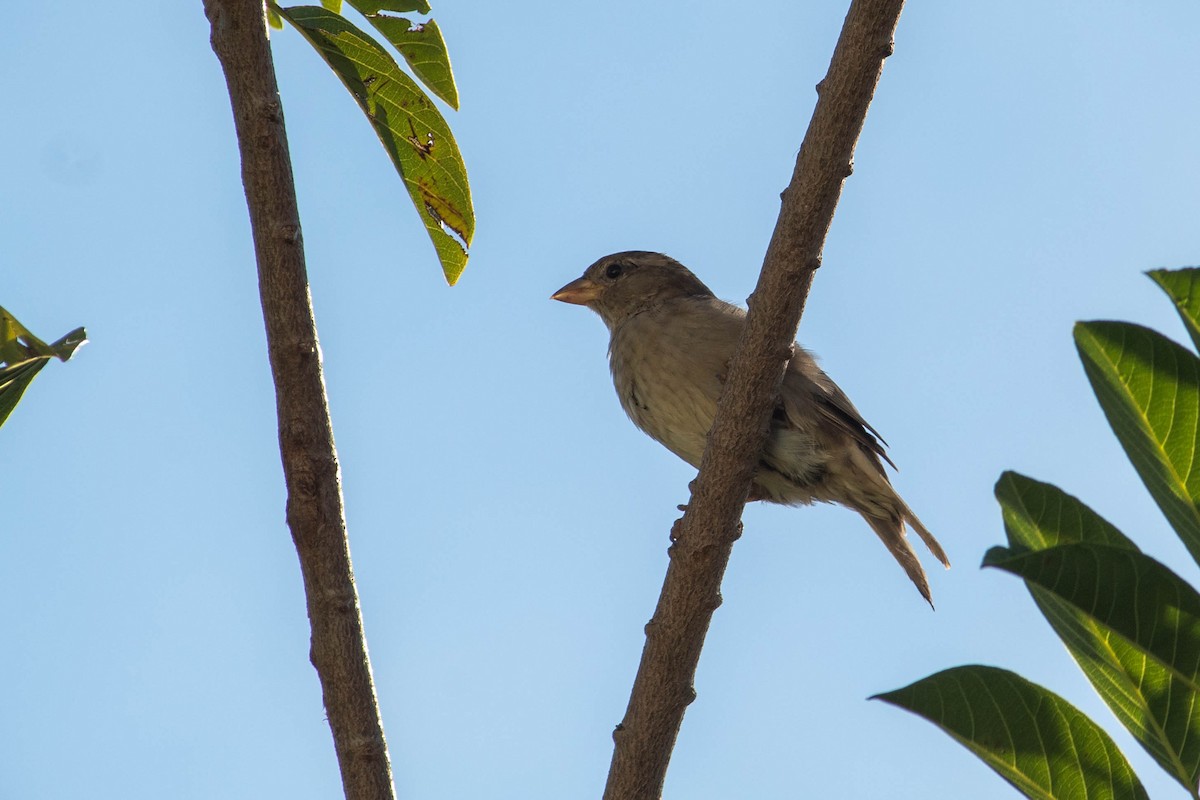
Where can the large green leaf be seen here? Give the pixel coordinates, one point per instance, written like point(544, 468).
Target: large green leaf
point(1183, 287)
point(1039, 515)
point(1149, 388)
point(22, 356)
point(1160, 709)
point(1125, 591)
point(1035, 740)
point(421, 44)
point(412, 130)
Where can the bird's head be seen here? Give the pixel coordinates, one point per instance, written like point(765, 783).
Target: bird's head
point(623, 284)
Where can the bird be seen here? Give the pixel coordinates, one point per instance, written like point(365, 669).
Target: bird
point(671, 341)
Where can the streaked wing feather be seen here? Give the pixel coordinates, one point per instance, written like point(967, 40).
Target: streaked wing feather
point(831, 402)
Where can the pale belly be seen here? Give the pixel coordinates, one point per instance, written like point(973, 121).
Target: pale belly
point(668, 394)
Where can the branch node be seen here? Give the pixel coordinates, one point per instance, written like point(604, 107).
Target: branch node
point(290, 233)
point(272, 109)
point(783, 353)
point(715, 603)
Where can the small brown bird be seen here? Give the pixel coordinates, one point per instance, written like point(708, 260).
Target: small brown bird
point(671, 343)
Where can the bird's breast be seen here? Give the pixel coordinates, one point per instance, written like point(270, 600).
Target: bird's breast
point(667, 383)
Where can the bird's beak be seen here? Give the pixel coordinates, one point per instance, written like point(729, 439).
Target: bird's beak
point(580, 292)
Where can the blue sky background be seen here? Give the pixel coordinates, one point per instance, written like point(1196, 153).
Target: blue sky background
point(1021, 166)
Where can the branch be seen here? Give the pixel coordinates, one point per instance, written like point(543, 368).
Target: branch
point(705, 535)
point(314, 503)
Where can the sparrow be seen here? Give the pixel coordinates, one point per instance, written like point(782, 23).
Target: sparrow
point(671, 341)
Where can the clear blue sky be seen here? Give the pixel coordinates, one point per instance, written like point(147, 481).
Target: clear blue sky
point(1021, 166)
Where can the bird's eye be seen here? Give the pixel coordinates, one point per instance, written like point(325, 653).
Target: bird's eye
point(614, 271)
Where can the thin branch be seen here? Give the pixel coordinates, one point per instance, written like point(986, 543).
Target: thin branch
point(314, 504)
point(706, 533)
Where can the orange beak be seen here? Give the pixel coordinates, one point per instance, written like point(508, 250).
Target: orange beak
point(580, 292)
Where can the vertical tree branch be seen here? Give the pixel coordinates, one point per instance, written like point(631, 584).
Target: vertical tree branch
point(314, 502)
point(705, 535)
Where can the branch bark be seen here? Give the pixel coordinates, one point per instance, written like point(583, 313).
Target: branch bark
point(705, 535)
point(315, 512)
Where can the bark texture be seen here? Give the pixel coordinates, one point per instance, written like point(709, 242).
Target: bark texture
point(314, 496)
point(705, 535)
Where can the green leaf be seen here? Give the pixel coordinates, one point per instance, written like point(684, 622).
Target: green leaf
point(14, 380)
point(332, 5)
point(1149, 388)
point(273, 18)
point(1034, 739)
point(1183, 287)
point(423, 49)
point(22, 356)
point(1039, 515)
point(1160, 709)
point(65, 347)
point(408, 124)
point(402, 6)
point(1123, 590)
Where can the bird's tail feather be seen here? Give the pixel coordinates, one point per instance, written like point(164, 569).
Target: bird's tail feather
point(934, 546)
point(890, 531)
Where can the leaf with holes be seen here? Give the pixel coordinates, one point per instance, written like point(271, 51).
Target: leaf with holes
point(421, 44)
point(412, 130)
point(1034, 739)
point(1149, 388)
point(1161, 710)
point(399, 6)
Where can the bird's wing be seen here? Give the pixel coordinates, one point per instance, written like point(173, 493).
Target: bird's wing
point(710, 329)
point(805, 383)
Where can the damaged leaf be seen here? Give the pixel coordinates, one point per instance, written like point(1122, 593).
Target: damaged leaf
point(421, 44)
point(412, 130)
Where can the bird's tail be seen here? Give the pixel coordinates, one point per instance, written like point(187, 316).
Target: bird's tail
point(890, 530)
point(934, 546)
